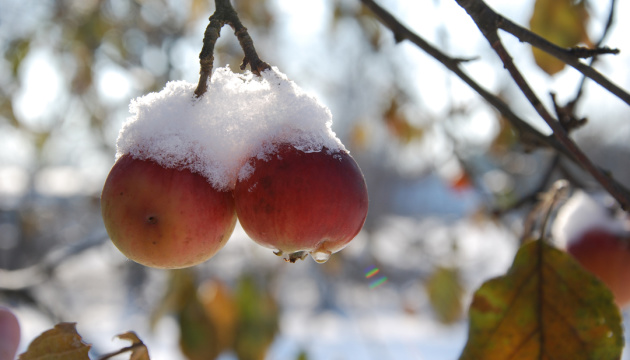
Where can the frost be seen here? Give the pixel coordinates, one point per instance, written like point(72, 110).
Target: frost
point(241, 116)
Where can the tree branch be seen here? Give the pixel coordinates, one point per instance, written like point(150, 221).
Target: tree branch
point(488, 23)
point(482, 14)
point(225, 14)
point(609, 22)
point(527, 133)
point(559, 140)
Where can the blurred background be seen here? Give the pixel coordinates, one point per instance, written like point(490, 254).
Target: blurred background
point(449, 182)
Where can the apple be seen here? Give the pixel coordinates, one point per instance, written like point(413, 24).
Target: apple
point(607, 256)
point(299, 202)
point(598, 238)
point(9, 334)
point(165, 217)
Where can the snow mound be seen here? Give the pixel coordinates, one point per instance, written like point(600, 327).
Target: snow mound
point(240, 116)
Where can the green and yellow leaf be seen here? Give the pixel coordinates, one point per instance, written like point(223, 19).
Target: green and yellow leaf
point(546, 307)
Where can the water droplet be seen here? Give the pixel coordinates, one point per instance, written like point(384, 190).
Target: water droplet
point(320, 256)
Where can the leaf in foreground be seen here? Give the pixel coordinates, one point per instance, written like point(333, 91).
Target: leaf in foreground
point(546, 307)
point(60, 343)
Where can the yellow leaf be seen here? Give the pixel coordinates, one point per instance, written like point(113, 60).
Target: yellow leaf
point(60, 343)
point(562, 22)
point(445, 294)
point(359, 136)
point(138, 350)
point(546, 307)
point(399, 125)
point(220, 307)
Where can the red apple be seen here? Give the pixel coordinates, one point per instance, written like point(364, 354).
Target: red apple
point(9, 334)
point(302, 202)
point(607, 256)
point(596, 233)
point(163, 217)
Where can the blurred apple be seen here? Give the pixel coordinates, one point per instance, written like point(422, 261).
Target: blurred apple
point(162, 217)
point(597, 236)
point(606, 255)
point(9, 334)
point(302, 202)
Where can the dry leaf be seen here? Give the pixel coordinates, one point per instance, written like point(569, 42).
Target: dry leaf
point(139, 351)
point(399, 125)
point(546, 307)
point(60, 343)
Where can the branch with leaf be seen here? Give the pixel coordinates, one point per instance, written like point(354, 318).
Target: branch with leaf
point(547, 304)
point(489, 23)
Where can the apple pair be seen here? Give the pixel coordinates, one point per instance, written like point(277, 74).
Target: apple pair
point(294, 202)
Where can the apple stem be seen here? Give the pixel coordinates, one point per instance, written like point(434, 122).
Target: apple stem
point(225, 14)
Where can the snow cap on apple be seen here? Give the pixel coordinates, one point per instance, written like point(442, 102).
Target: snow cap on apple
point(240, 116)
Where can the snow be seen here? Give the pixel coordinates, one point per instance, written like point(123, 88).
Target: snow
point(241, 116)
point(583, 212)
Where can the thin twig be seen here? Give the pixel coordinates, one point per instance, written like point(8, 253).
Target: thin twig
point(479, 11)
point(483, 14)
point(527, 133)
point(541, 213)
point(559, 140)
point(609, 23)
point(225, 14)
point(534, 194)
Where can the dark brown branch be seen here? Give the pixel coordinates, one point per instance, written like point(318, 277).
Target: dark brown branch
point(225, 14)
point(251, 57)
point(581, 52)
point(528, 134)
point(481, 14)
point(565, 115)
point(206, 57)
point(611, 17)
point(558, 141)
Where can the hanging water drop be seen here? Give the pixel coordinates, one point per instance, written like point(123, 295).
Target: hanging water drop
point(320, 256)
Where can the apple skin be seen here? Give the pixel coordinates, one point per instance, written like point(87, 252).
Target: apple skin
point(162, 217)
point(607, 256)
point(297, 202)
point(9, 333)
